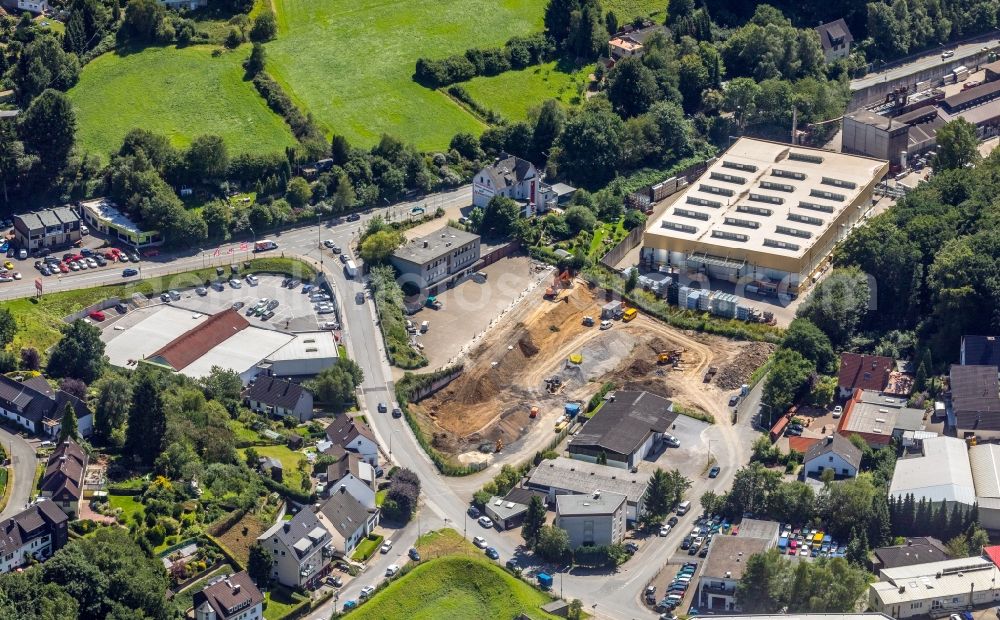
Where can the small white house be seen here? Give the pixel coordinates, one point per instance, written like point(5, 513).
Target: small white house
point(833, 452)
point(34, 6)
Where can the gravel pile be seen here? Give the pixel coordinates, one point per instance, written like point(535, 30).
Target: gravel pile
point(737, 372)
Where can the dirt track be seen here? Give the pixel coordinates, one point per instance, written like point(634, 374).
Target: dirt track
point(505, 376)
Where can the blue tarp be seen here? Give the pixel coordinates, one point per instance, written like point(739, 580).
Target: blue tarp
point(572, 409)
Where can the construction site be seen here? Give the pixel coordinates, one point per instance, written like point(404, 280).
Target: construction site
point(553, 353)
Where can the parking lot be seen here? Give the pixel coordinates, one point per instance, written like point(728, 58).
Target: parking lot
point(293, 313)
point(472, 306)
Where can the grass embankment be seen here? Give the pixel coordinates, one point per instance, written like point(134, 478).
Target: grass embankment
point(38, 319)
point(456, 587)
point(389, 302)
point(177, 92)
point(513, 93)
point(350, 63)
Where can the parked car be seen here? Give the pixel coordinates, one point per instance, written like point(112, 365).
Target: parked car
point(386, 546)
point(174, 294)
point(328, 243)
point(201, 291)
point(664, 530)
point(235, 283)
point(237, 305)
point(391, 570)
point(134, 257)
point(672, 521)
point(492, 553)
point(473, 512)
point(97, 315)
point(631, 547)
point(353, 217)
point(121, 308)
point(714, 472)
point(671, 441)
point(252, 280)
point(480, 542)
point(350, 604)
point(605, 324)
point(267, 316)
point(22, 254)
point(414, 554)
point(366, 592)
point(335, 581)
point(485, 521)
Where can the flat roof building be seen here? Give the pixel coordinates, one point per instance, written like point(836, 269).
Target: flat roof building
point(941, 473)
point(440, 258)
point(764, 211)
point(938, 587)
point(104, 216)
point(308, 354)
point(975, 400)
point(561, 476)
point(624, 430)
point(596, 519)
point(985, 462)
point(727, 559)
point(878, 418)
point(980, 350)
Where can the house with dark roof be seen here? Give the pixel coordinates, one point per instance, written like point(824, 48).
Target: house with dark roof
point(834, 452)
point(300, 550)
point(199, 340)
point(35, 533)
point(835, 38)
point(279, 398)
point(865, 372)
point(630, 41)
point(624, 430)
point(355, 475)
point(272, 467)
point(347, 520)
point(975, 401)
point(508, 176)
point(232, 597)
point(62, 481)
point(354, 436)
point(58, 227)
point(35, 406)
point(980, 351)
point(916, 550)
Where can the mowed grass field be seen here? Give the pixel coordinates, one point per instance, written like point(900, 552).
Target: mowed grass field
point(513, 93)
point(455, 588)
point(178, 92)
point(628, 9)
point(350, 62)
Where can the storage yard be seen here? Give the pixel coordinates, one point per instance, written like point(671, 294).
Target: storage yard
point(549, 354)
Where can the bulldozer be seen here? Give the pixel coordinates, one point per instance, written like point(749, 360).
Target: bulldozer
point(669, 357)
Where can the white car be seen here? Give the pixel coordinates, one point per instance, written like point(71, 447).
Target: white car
point(480, 542)
point(664, 530)
point(605, 324)
point(386, 546)
point(485, 521)
point(947, 54)
point(329, 243)
point(92, 263)
point(391, 570)
point(175, 295)
point(331, 325)
point(366, 592)
point(235, 283)
point(16, 275)
point(82, 264)
point(252, 280)
point(837, 411)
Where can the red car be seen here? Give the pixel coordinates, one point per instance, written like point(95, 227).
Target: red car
point(63, 268)
point(97, 315)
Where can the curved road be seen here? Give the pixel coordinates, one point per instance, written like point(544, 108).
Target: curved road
point(23, 463)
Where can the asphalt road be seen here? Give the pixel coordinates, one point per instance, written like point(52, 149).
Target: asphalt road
point(928, 61)
point(23, 460)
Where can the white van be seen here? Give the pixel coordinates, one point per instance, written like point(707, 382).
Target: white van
point(683, 507)
point(424, 326)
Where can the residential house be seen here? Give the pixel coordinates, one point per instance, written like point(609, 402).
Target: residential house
point(354, 436)
point(34, 533)
point(279, 398)
point(597, 519)
point(439, 259)
point(347, 520)
point(233, 597)
point(723, 569)
point(355, 475)
point(40, 7)
point(980, 351)
point(35, 406)
point(563, 476)
point(624, 430)
point(183, 5)
point(62, 481)
point(300, 550)
point(935, 589)
point(629, 41)
point(52, 228)
point(508, 176)
point(508, 512)
point(834, 452)
point(975, 401)
point(835, 38)
point(916, 550)
point(865, 372)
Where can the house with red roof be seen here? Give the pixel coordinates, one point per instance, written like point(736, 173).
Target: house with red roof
point(864, 372)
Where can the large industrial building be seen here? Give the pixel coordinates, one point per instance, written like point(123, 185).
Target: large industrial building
point(764, 211)
point(935, 589)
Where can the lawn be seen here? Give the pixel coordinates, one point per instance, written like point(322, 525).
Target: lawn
point(627, 9)
point(455, 587)
point(178, 92)
point(292, 477)
point(513, 93)
point(367, 548)
point(280, 601)
point(129, 505)
point(351, 63)
point(182, 600)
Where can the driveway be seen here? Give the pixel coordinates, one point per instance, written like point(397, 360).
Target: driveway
point(23, 463)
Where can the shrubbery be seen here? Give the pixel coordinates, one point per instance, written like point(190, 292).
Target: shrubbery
point(517, 53)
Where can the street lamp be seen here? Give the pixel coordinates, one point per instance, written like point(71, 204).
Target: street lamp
point(710, 442)
point(319, 234)
point(254, 240)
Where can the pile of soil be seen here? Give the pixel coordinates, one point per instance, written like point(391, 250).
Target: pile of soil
point(527, 346)
point(640, 368)
point(737, 372)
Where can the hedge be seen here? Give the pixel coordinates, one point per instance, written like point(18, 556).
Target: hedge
point(517, 53)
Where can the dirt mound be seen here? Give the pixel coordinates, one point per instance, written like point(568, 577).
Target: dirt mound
point(527, 346)
point(737, 372)
point(641, 368)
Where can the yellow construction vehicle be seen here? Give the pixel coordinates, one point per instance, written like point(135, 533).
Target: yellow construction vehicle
point(499, 445)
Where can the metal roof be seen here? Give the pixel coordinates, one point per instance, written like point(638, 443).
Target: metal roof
point(942, 473)
point(985, 461)
point(935, 580)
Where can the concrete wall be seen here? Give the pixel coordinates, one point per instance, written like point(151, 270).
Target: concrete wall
point(876, 92)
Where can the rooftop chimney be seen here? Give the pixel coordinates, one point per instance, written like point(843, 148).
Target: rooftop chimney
point(426, 243)
point(236, 588)
point(597, 495)
point(287, 526)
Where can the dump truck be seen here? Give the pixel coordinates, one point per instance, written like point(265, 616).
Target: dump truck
point(711, 373)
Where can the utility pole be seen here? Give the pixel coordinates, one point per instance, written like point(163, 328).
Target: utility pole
point(795, 118)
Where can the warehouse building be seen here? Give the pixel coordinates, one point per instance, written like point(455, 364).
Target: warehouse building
point(941, 473)
point(764, 211)
point(563, 476)
point(935, 588)
point(975, 401)
point(624, 430)
point(985, 462)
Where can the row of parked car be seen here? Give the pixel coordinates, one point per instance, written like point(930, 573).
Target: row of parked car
point(83, 260)
point(674, 593)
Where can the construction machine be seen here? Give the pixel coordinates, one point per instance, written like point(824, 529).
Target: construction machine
point(669, 357)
